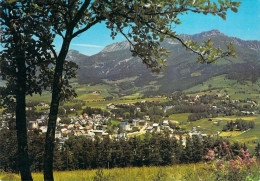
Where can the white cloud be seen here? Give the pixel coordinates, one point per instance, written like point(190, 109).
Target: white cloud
point(88, 45)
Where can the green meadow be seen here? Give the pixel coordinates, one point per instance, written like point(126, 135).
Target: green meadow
point(220, 84)
point(250, 137)
point(181, 172)
point(179, 118)
point(87, 94)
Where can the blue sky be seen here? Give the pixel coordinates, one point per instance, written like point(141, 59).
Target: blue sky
point(245, 24)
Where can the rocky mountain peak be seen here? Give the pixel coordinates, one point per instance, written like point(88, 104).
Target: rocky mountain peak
point(203, 35)
point(213, 32)
point(116, 47)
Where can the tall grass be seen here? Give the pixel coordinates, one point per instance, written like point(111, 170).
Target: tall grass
point(187, 172)
point(175, 172)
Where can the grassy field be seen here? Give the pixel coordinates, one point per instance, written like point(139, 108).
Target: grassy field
point(190, 172)
point(179, 118)
point(222, 85)
point(121, 80)
point(86, 93)
point(215, 82)
point(230, 133)
point(250, 137)
point(102, 104)
point(182, 172)
point(133, 96)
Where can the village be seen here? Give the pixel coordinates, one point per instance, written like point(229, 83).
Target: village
point(145, 117)
point(96, 125)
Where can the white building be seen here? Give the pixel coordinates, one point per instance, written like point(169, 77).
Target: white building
point(57, 134)
point(33, 125)
point(43, 129)
point(125, 126)
point(165, 123)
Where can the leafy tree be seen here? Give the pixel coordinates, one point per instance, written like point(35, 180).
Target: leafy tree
point(145, 150)
point(23, 55)
point(177, 150)
point(236, 147)
point(8, 150)
point(36, 150)
point(166, 151)
point(125, 153)
point(155, 148)
point(197, 149)
point(180, 151)
point(239, 124)
point(251, 124)
point(135, 145)
point(188, 151)
point(207, 143)
point(225, 128)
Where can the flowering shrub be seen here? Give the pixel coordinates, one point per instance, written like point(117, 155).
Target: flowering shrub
point(230, 167)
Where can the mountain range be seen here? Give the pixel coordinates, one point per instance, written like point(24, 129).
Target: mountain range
point(115, 65)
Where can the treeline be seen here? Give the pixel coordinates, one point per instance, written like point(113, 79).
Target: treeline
point(89, 111)
point(244, 72)
point(187, 108)
point(239, 124)
point(197, 116)
point(9, 153)
point(197, 111)
point(83, 153)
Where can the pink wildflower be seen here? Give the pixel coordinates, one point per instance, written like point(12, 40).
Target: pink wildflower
point(234, 165)
point(240, 160)
point(247, 153)
point(226, 147)
point(221, 150)
point(210, 155)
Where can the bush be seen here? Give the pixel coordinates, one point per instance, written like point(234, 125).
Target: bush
point(234, 168)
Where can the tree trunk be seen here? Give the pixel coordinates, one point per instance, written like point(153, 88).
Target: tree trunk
point(56, 93)
point(50, 135)
point(21, 127)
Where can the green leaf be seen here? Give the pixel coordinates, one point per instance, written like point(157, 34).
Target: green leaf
point(222, 16)
point(234, 9)
point(210, 44)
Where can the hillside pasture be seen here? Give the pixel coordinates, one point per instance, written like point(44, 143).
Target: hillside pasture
point(251, 137)
point(222, 85)
point(91, 97)
point(215, 82)
point(181, 118)
point(132, 96)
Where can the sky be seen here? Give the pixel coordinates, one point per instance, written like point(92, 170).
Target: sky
point(245, 25)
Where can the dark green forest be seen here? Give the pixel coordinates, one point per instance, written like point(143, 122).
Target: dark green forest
point(83, 153)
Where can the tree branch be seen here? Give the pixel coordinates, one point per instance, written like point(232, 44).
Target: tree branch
point(88, 26)
point(81, 11)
